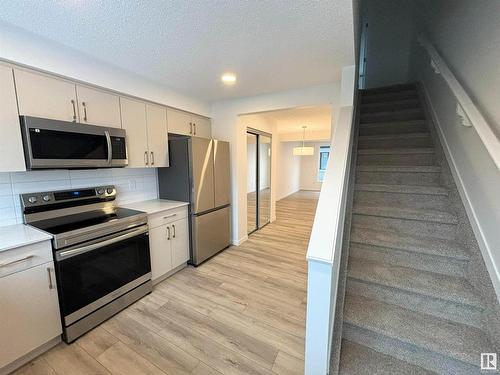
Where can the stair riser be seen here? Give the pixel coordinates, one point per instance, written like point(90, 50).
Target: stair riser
point(425, 262)
point(388, 128)
point(397, 159)
point(391, 116)
point(397, 178)
point(389, 97)
point(428, 201)
point(399, 87)
point(407, 352)
point(416, 142)
point(389, 106)
point(451, 311)
point(412, 227)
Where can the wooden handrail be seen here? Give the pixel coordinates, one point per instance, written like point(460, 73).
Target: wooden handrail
point(483, 129)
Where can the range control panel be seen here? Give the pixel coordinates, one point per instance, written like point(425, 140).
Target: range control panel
point(99, 193)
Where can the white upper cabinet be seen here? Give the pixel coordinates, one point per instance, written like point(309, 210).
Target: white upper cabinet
point(134, 122)
point(201, 127)
point(10, 143)
point(40, 95)
point(97, 107)
point(179, 122)
point(187, 124)
point(156, 119)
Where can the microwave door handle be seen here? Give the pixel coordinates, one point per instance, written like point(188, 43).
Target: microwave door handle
point(61, 255)
point(110, 151)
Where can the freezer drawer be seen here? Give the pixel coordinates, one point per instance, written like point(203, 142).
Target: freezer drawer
point(211, 233)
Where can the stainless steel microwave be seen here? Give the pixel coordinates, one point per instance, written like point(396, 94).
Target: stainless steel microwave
point(53, 144)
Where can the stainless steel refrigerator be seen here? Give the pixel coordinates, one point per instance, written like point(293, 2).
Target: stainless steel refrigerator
point(199, 174)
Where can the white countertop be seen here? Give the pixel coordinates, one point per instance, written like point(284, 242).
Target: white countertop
point(17, 235)
point(154, 205)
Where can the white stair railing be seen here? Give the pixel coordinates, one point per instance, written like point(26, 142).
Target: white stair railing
point(325, 247)
point(484, 130)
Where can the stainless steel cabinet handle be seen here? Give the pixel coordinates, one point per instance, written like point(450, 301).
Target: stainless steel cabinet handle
point(13, 261)
point(51, 284)
point(74, 109)
point(152, 158)
point(168, 235)
point(194, 126)
point(84, 105)
point(190, 128)
point(173, 226)
point(169, 216)
point(146, 158)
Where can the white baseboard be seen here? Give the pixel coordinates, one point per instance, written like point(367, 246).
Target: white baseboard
point(238, 242)
point(486, 251)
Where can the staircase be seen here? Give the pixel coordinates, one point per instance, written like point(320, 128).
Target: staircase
point(409, 307)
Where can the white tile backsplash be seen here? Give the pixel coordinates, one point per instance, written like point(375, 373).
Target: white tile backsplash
point(132, 185)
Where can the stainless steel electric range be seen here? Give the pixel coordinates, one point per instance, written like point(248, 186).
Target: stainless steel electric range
point(101, 253)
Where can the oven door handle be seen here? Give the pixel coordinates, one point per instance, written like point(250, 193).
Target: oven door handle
point(110, 149)
point(61, 255)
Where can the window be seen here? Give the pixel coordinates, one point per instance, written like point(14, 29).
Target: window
point(324, 154)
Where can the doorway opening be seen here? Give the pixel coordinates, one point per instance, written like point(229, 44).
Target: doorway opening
point(258, 179)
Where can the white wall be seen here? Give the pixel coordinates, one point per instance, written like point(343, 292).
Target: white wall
point(388, 40)
point(288, 171)
point(309, 166)
point(226, 125)
point(464, 32)
point(21, 47)
point(251, 165)
point(132, 185)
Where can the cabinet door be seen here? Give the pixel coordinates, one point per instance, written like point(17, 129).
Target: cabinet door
point(179, 122)
point(134, 123)
point(29, 311)
point(39, 95)
point(201, 127)
point(157, 135)
point(10, 143)
point(161, 251)
point(180, 242)
point(98, 107)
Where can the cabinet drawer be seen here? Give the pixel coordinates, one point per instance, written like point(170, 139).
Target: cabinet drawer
point(167, 217)
point(22, 258)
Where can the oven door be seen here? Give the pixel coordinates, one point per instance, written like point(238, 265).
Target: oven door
point(60, 144)
point(94, 273)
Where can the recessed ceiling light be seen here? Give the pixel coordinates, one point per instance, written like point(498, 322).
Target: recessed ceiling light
point(228, 78)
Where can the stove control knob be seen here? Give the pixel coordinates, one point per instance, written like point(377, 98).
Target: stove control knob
point(109, 190)
point(32, 199)
point(100, 191)
point(46, 198)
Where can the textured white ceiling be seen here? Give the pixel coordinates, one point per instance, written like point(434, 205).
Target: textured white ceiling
point(317, 119)
point(271, 45)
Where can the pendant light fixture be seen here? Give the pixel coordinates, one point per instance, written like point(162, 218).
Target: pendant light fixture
point(303, 151)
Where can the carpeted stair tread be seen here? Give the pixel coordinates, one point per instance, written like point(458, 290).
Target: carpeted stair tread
point(397, 88)
point(448, 288)
point(454, 340)
point(401, 241)
point(406, 213)
point(399, 168)
point(403, 189)
point(391, 116)
point(396, 151)
point(390, 105)
point(358, 359)
point(394, 136)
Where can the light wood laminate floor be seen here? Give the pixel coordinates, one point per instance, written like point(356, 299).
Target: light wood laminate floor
point(242, 312)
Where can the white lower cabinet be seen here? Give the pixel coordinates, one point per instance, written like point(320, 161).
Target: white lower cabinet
point(180, 242)
point(29, 312)
point(168, 242)
point(161, 252)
